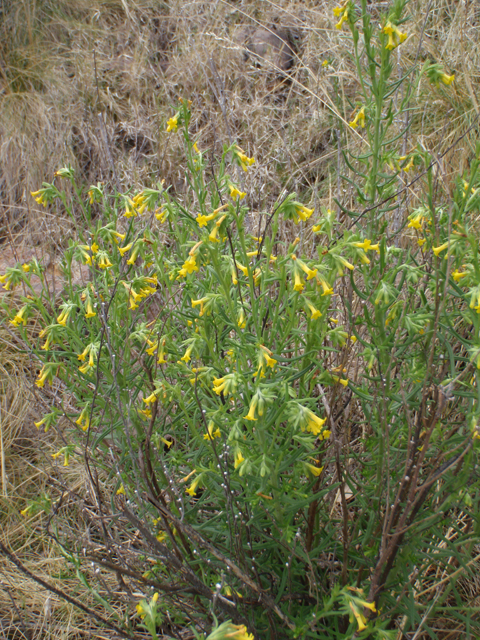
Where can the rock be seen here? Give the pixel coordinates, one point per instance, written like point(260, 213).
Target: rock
point(271, 46)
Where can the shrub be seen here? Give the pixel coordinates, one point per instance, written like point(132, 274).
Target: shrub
point(288, 430)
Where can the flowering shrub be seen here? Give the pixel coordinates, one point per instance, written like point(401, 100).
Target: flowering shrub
point(290, 433)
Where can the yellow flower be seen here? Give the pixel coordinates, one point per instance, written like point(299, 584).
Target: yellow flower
point(315, 312)
point(395, 36)
point(189, 266)
point(42, 376)
point(225, 385)
point(90, 312)
point(229, 631)
point(161, 215)
point(63, 317)
point(316, 471)
point(135, 251)
point(408, 166)
point(314, 423)
point(24, 512)
point(267, 354)
point(345, 263)
point(243, 269)
point(361, 620)
point(447, 79)
point(342, 13)
point(66, 455)
point(359, 119)
point(311, 273)
point(39, 196)
point(123, 250)
point(19, 318)
point(416, 220)
point(84, 417)
point(367, 245)
point(438, 250)
point(151, 398)
point(242, 321)
point(201, 302)
point(121, 491)
point(90, 351)
point(299, 285)
point(213, 234)
point(192, 488)
point(172, 124)
point(186, 357)
point(238, 459)
point(251, 412)
point(242, 159)
point(104, 261)
point(342, 381)
point(235, 193)
point(202, 221)
point(212, 432)
point(458, 275)
point(327, 289)
point(303, 213)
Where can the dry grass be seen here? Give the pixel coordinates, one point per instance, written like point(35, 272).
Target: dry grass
point(91, 83)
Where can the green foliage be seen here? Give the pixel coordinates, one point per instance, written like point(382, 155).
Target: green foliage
point(292, 435)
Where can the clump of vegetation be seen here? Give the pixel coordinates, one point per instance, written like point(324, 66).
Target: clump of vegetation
point(275, 408)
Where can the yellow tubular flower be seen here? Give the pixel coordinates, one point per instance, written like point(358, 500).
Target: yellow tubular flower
point(242, 321)
point(238, 459)
point(327, 289)
point(345, 263)
point(192, 488)
point(251, 411)
point(342, 13)
point(359, 120)
point(316, 471)
point(361, 620)
point(236, 194)
point(212, 433)
point(172, 124)
point(447, 79)
point(458, 275)
point(416, 220)
point(42, 376)
point(186, 357)
point(201, 302)
point(367, 245)
point(266, 355)
point(202, 221)
point(104, 261)
point(213, 234)
point(299, 285)
point(123, 250)
point(315, 312)
point(135, 251)
point(19, 319)
point(314, 423)
point(90, 312)
point(303, 213)
point(438, 250)
point(395, 36)
point(151, 398)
